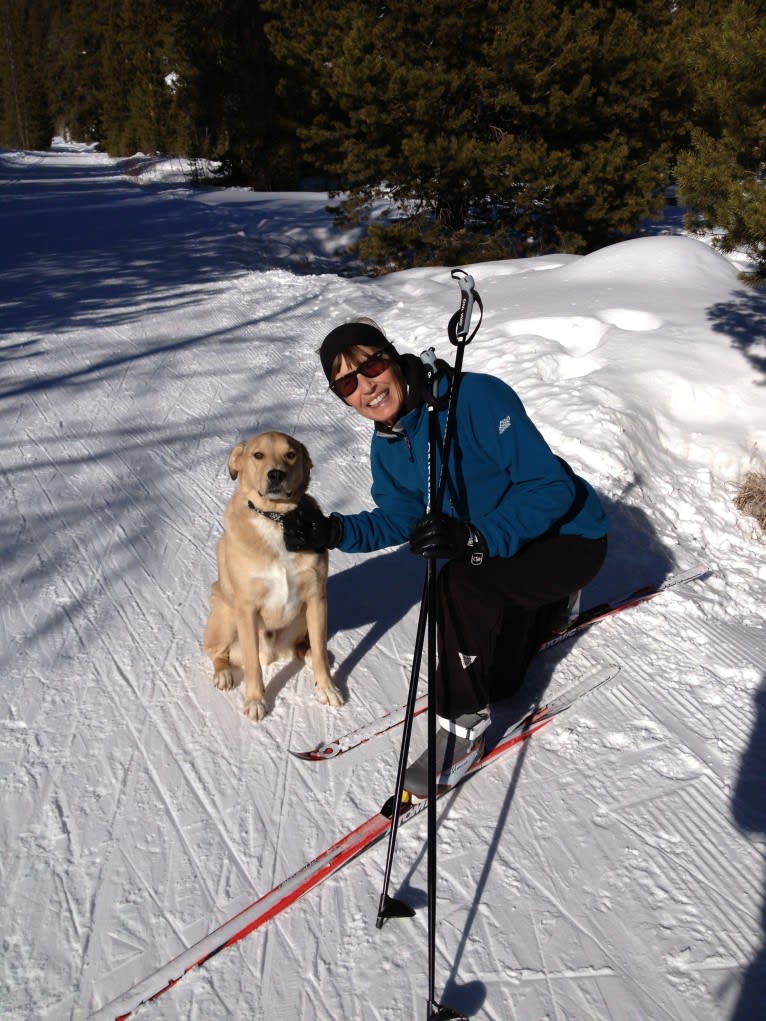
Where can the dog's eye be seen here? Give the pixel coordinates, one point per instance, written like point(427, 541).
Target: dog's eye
point(258, 455)
point(290, 455)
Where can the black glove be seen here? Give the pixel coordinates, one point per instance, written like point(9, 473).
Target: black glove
point(307, 528)
point(440, 537)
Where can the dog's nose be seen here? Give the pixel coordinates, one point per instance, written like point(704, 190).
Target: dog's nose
point(275, 476)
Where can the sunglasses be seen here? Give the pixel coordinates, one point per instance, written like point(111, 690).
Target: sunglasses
point(371, 367)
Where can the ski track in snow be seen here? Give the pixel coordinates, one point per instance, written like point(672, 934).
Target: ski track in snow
point(598, 873)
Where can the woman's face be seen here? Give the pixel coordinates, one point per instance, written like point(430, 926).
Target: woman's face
point(380, 399)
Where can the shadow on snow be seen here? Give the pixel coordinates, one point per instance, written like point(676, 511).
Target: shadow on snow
point(749, 813)
point(743, 320)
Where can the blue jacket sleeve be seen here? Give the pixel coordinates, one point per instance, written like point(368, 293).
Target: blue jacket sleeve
point(398, 493)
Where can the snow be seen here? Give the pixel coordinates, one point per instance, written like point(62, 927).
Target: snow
point(613, 869)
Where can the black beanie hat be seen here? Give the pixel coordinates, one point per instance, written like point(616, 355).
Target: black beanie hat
point(349, 334)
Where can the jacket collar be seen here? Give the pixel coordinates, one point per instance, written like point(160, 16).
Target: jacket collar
point(415, 396)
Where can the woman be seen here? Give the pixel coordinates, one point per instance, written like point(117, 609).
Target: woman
point(520, 531)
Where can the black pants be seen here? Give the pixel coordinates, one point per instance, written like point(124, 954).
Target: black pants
point(492, 617)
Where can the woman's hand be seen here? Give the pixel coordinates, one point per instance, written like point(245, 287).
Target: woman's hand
point(440, 537)
point(307, 528)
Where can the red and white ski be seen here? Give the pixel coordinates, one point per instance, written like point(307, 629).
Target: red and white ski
point(395, 717)
point(328, 862)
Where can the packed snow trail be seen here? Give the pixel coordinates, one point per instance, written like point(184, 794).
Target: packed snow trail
point(146, 328)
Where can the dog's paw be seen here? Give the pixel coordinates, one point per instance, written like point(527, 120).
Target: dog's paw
point(254, 709)
point(224, 680)
point(330, 696)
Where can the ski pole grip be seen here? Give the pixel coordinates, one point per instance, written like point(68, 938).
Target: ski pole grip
point(461, 321)
point(428, 358)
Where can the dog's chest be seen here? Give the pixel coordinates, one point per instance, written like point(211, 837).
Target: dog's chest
point(280, 602)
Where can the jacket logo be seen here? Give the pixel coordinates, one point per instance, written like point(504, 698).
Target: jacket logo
point(466, 660)
point(505, 423)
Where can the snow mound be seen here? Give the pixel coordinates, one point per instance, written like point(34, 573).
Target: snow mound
point(656, 261)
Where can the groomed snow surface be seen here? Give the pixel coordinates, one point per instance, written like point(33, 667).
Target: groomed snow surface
point(613, 869)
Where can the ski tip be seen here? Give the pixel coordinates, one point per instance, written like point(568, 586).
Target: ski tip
point(322, 752)
point(314, 755)
point(602, 675)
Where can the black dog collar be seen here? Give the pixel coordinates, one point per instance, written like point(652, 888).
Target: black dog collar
point(272, 515)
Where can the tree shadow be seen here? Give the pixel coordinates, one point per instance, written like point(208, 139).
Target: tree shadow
point(743, 320)
point(102, 259)
point(112, 368)
point(117, 253)
point(749, 812)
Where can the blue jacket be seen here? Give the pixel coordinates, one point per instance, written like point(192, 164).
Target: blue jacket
point(503, 477)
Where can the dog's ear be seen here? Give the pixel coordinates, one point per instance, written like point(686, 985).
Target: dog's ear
point(235, 460)
point(309, 464)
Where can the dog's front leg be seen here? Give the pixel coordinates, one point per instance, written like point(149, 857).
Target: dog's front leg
point(316, 624)
point(247, 632)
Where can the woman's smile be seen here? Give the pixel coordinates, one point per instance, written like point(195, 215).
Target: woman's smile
point(377, 401)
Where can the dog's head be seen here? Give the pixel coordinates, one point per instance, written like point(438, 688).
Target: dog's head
point(272, 468)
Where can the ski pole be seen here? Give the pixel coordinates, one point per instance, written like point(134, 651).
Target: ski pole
point(459, 335)
point(459, 329)
point(434, 1009)
point(390, 907)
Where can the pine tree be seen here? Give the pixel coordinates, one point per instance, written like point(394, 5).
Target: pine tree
point(76, 70)
point(588, 108)
point(722, 175)
point(139, 57)
point(508, 125)
point(25, 118)
point(228, 91)
point(391, 92)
